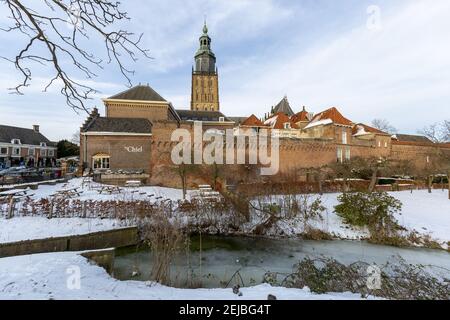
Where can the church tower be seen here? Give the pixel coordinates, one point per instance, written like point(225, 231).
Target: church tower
point(205, 80)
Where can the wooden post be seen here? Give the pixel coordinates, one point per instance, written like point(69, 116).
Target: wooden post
point(11, 207)
point(83, 208)
point(430, 183)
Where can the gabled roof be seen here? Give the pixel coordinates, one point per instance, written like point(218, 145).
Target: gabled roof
point(139, 93)
point(411, 138)
point(302, 116)
point(278, 120)
point(331, 115)
point(198, 115)
point(237, 120)
point(283, 106)
point(363, 129)
point(119, 125)
point(26, 136)
point(253, 121)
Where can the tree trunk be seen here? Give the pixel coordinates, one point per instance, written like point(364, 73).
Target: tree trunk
point(448, 178)
point(430, 183)
point(345, 186)
point(319, 178)
point(183, 180)
point(373, 180)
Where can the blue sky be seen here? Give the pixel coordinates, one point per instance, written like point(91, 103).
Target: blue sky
point(320, 53)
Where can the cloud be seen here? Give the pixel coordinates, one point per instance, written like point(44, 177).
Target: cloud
point(319, 53)
point(172, 28)
point(400, 73)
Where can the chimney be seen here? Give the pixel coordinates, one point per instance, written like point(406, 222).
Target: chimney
point(36, 128)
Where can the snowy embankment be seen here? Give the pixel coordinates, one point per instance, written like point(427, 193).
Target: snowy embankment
point(31, 228)
point(428, 214)
point(55, 276)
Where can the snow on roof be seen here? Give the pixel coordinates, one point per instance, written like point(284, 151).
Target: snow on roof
point(360, 131)
point(319, 123)
point(271, 121)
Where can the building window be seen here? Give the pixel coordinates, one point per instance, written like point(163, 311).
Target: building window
point(385, 144)
point(221, 119)
point(339, 155)
point(100, 161)
point(428, 159)
point(344, 136)
point(287, 126)
point(43, 153)
point(4, 151)
point(31, 152)
point(16, 152)
point(15, 141)
point(51, 153)
point(347, 154)
point(379, 144)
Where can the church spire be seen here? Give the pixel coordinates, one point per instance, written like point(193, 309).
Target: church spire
point(205, 60)
point(205, 78)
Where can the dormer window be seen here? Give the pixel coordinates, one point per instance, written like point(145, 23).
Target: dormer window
point(287, 126)
point(16, 141)
point(221, 119)
point(43, 144)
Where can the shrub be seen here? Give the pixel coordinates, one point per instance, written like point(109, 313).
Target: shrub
point(373, 210)
point(398, 280)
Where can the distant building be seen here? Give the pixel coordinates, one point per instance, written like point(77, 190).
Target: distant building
point(27, 147)
point(133, 140)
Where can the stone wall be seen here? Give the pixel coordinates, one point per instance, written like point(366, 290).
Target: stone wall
point(99, 240)
point(421, 156)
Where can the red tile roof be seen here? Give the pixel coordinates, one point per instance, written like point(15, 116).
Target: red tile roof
point(302, 116)
point(253, 121)
point(278, 120)
point(334, 115)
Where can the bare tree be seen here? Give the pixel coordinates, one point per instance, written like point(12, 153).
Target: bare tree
point(446, 130)
point(50, 42)
point(383, 125)
point(438, 132)
point(76, 138)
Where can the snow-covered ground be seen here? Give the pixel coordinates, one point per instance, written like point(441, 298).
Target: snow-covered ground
point(428, 214)
point(55, 276)
point(92, 193)
point(45, 276)
point(30, 228)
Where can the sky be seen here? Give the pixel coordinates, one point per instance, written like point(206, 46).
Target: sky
point(370, 59)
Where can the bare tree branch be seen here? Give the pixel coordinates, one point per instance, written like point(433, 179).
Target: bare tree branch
point(383, 125)
point(49, 31)
point(437, 132)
